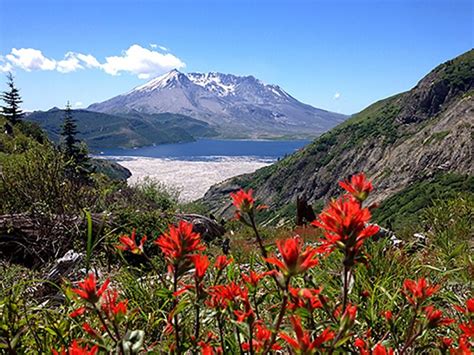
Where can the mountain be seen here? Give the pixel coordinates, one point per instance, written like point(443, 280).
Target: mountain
point(419, 140)
point(100, 130)
point(237, 106)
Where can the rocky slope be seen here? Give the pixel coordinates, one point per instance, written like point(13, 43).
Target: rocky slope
point(236, 106)
point(407, 138)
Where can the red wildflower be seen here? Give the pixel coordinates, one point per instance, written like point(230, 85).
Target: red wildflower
point(295, 260)
point(304, 298)
point(247, 314)
point(253, 278)
point(349, 314)
point(261, 338)
point(388, 315)
point(110, 305)
point(222, 295)
point(88, 289)
point(222, 261)
point(178, 244)
point(129, 243)
point(467, 329)
point(469, 307)
point(78, 312)
point(361, 346)
point(183, 289)
point(358, 186)
point(243, 201)
point(464, 348)
point(345, 225)
point(435, 317)
point(88, 329)
point(243, 316)
point(381, 350)
point(201, 263)
point(303, 342)
point(416, 292)
point(76, 349)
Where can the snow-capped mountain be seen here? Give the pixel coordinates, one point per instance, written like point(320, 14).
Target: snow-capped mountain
point(237, 106)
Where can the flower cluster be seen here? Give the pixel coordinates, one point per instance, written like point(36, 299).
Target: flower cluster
point(211, 304)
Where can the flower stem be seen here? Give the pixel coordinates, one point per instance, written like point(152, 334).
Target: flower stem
point(257, 235)
point(176, 325)
point(410, 339)
point(281, 314)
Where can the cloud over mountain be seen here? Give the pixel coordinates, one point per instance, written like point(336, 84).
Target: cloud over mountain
point(136, 60)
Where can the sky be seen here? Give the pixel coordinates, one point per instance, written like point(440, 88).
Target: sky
point(336, 55)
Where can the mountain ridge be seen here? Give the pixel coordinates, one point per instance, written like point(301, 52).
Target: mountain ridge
point(397, 141)
point(241, 106)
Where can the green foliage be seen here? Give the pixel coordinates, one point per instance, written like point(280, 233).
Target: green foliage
point(458, 72)
point(35, 181)
point(100, 130)
point(405, 207)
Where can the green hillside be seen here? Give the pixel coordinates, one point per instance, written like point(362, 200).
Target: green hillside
point(100, 130)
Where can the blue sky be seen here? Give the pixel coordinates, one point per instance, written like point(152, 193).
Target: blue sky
point(336, 55)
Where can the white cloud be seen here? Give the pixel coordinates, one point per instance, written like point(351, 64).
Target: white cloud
point(337, 96)
point(73, 61)
point(155, 46)
point(5, 67)
point(142, 62)
point(30, 59)
point(136, 60)
point(78, 104)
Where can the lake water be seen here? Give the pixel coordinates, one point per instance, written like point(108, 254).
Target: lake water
point(194, 167)
point(210, 149)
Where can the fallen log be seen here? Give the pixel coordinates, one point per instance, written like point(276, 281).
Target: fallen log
point(34, 240)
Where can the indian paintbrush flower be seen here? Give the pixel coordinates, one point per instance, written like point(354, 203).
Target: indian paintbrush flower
point(303, 343)
point(416, 292)
point(129, 243)
point(88, 291)
point(295, 260)
point(243, 202)
point(178, 245)
point(345, 225)
point(358, 186)
point(76, 349)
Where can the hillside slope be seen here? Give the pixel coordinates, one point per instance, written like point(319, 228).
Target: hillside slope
point(236, 106)
point(410, 137)
point(101, 130)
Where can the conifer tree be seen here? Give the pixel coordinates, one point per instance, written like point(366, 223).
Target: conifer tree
point(12, 99)
point(75, 151)
point(69, 133)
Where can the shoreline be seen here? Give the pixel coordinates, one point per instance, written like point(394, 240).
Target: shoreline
point(191, 177)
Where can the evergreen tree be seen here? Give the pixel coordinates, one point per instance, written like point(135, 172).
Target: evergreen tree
point(75, 151)
point(12, 99)
point(69, 133)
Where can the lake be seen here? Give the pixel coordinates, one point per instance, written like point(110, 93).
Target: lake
point(194, 167)
point(206, 149)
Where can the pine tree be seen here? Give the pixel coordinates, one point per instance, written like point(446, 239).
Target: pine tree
point(69, 133)
point(76, 152)
point(12, 99)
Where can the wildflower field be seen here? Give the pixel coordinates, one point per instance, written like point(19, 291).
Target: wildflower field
point(335, 286)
